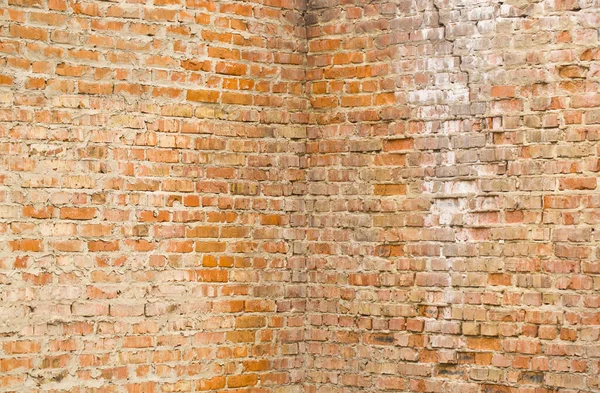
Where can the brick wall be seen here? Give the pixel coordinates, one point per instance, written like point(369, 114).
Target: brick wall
point(150, 195)
point(453, 149)
point(277, 197)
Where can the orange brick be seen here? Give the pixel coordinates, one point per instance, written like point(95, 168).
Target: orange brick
point(238, 381)
point(237, 98)
point(210, 247)
point(33, 245)
point(231, 68)
point(6, 80)
point(30, 33)
point(145, 387)
point(20, 347)
point(103, 246)
point(390, 189)
point(203, 95)
point(212, 384)
point(503, 91)
point(224, 53)
point(137, 342)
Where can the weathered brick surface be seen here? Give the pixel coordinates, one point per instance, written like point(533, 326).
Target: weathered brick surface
point(453, 166)
point(278, 197)
point(151, 158)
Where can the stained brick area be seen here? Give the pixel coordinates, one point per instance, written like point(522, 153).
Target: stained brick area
point(453, 164)
point(271, 196)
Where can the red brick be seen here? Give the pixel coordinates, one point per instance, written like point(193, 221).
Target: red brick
point(398, 144)
point(580, 183)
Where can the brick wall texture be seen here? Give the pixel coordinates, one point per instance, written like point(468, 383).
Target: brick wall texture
point(281, 196)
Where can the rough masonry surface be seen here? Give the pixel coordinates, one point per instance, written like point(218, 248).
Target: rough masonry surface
point(275, 196)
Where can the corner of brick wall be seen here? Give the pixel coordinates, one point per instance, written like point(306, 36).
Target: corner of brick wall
point(281, 197)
